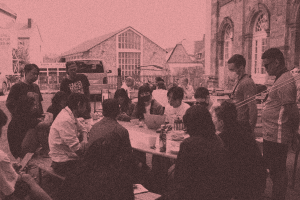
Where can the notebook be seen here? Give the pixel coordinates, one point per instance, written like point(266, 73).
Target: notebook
point(154, 121)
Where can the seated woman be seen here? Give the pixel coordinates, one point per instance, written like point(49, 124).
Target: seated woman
point(12, 184)
point(245, 157)
point(146, 104)
point(102, 175)
point(126, 107)
point(201, 170)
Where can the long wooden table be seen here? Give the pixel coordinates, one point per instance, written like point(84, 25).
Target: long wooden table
point(139, 140)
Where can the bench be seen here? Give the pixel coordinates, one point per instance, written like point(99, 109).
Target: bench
point(44, 164)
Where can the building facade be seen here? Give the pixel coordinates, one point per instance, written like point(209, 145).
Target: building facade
point(126, 49)
point(249, 27)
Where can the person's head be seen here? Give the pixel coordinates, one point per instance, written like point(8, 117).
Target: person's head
point(175, 96)
point(236, 66)
point(78, 104)
point(121, 96)
point(32, 72)
point(202, 95)
point(144, 94)
point(198, 122)
point(225, 116)
point(60, 99)
point(129, 81)
point(3, 120)
point(102, 153)
point(158, 79)
point(161, 85)
point(110, 108)
point(185, 81)
point(273, 61)
point(71, 69)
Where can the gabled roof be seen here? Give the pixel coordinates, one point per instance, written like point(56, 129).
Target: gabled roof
point(87, 45)
point(7, 10)
point(179, 55)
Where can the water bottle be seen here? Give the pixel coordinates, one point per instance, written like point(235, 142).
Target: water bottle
point(163, 139)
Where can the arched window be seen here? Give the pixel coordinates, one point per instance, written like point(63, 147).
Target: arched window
point(259, 45)
point(228, 34)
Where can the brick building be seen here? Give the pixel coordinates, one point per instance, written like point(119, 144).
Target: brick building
point(249, 28)
point(127, 49)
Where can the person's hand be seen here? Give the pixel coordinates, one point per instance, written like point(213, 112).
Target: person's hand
point(84, 144)
point(27, 178)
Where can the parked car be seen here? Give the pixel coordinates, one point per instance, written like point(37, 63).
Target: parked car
point(3, 84)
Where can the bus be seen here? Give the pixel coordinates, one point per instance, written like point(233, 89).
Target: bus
point(95, 72)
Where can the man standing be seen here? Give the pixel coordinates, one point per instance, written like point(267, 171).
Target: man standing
point(16, 129)
point(243, 94)
point(76, 83)
point(177, 108)
point(280, 118)
point(65, 131)
point(188, 89)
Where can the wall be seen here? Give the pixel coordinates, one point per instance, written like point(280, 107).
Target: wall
point(153, 54)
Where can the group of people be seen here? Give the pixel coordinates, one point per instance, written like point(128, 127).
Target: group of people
point(220, 160)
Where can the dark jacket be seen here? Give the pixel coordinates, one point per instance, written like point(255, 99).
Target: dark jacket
point(246, 162)
point(201, 170)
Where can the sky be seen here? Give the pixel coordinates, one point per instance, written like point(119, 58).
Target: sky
point(66, 23)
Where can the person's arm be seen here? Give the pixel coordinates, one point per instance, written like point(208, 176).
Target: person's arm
point(36, 191)
point(86, 86)
point(12, 98)
point(249, 95)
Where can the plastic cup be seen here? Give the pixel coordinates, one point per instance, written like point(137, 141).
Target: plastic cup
point(152, 141)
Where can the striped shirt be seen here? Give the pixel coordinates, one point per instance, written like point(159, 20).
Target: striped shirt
point(276, 122)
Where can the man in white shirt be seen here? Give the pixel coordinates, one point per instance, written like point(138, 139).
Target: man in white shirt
point(65, 147)
point(127, 85)
point(177, 108)
point(188, 89)
point(160, 94)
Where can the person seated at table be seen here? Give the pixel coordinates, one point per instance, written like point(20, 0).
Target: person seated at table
point(108, 127)
point(146, 104)
point(188, 89)
point(101, 175)
point(201, 169)
point(160, 94)
point(128, 85)
point(126, 107)
point(202, 97)
point(176, 108)
point(65, 147)
point(245, 157)
point(12, 184)
point(59, 101)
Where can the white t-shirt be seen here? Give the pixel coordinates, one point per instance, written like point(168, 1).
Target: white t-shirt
point(8, 176)
point(175, 113)
point(160, 96)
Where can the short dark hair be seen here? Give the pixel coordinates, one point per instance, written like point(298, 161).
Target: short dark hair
point(274, 53)
point(29, 67)
point(198, 121)
point(228, 113)
point(76, 98)
point(238, 60)
point(201, 92)
point(177, 92)
point(69, 63)
point(161, 85)
point(110, 108)
point(58, 97)
point(157, 79)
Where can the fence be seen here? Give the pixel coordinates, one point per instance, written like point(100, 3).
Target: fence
point(53, 82)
